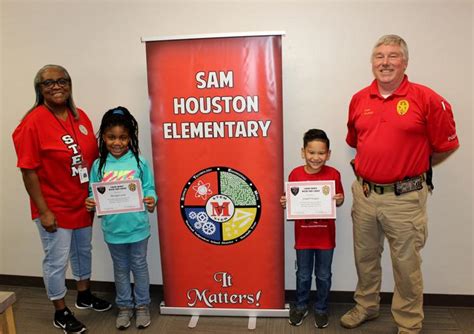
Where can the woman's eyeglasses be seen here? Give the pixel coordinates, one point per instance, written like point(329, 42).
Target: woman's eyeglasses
point(61, 82)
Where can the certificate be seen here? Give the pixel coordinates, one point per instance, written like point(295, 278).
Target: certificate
point(310, 200)
point(118, 197)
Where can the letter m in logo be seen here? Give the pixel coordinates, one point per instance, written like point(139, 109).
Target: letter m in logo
point(220, 210)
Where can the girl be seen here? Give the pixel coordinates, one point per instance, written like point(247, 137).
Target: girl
point(126, 234)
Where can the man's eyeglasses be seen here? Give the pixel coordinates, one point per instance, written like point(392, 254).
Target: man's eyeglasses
point(61, 82)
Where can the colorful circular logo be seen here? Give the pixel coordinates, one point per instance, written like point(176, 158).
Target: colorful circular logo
point(220, 205)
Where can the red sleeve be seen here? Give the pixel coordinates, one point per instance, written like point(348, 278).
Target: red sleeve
point(26, 141)
point(441, 126)
point(295, 175)
point(351, 138)
point(83, 115)
point(339, 188)
point(291, 177)
point(90, 144)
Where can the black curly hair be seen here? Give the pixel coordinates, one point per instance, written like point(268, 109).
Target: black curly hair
point(119, 116)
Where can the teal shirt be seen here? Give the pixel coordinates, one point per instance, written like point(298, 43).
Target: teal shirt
point(131, 227)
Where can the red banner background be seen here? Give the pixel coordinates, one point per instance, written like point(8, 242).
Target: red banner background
point(240, 132)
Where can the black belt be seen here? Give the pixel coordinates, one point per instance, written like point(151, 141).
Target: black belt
point(397, 188)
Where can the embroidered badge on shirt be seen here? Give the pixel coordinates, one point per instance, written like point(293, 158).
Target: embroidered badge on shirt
point(83, 129)
point(402, 107)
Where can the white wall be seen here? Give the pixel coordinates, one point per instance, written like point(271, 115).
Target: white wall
point(326, 59)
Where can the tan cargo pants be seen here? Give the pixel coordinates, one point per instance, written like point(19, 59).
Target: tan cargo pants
point(403, 221)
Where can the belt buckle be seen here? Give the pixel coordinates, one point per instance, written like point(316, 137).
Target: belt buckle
point(409, 185)
point(366, 188)
point(378, 189)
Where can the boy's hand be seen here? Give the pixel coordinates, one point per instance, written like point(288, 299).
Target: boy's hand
point(90, 204)
point(283, 201)
point(339, 198)
point(150, 203)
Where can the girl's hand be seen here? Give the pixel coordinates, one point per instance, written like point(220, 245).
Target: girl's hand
point(150, 203)
point(283, 201)
point(90, 204)
point(339, 198)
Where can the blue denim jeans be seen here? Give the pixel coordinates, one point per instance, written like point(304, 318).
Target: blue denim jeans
point(321, 261)
point(59, 248)
point(128, 258)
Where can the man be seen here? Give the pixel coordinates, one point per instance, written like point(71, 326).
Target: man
point(399, 130)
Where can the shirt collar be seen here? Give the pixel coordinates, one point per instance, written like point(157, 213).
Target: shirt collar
point(402, 90)
point(127, 155)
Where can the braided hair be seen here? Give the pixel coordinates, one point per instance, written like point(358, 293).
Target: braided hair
point(119, 116)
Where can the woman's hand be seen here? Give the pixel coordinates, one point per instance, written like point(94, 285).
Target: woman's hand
point(90, 204)
point(48, 221)
point(283, 201)
point(150, 203)
point(33, 187)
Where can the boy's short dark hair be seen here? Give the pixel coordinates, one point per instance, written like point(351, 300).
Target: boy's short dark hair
point(315, 134)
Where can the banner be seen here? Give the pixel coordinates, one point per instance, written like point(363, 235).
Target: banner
point(216, 117)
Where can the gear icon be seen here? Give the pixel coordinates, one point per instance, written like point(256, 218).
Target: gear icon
point(208, 228)
point(202, 217)
point(197, 225)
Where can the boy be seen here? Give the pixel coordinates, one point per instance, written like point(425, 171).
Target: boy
point(314, 239)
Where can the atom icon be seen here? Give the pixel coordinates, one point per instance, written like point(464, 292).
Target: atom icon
point(202, 190)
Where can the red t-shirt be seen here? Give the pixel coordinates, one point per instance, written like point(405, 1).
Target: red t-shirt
point(319, 233)
point(53, 148)
point(395, 137)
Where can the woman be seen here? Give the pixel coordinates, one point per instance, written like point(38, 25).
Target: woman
point(55, 146)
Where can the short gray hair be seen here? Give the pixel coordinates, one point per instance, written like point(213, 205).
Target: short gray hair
point(393, 40)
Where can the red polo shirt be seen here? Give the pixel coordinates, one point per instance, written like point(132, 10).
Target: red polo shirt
point(316, 233)
point(395, 136)
point(53, 147)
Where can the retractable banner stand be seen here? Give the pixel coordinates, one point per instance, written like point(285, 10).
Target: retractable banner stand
point(216, 117)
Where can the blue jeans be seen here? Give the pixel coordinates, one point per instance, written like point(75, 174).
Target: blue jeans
point(59, 248)
point(131, 258)
point(321, 261)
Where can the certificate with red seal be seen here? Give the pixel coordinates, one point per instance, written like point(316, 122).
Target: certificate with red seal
point(310, 200)
point(118, 197)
